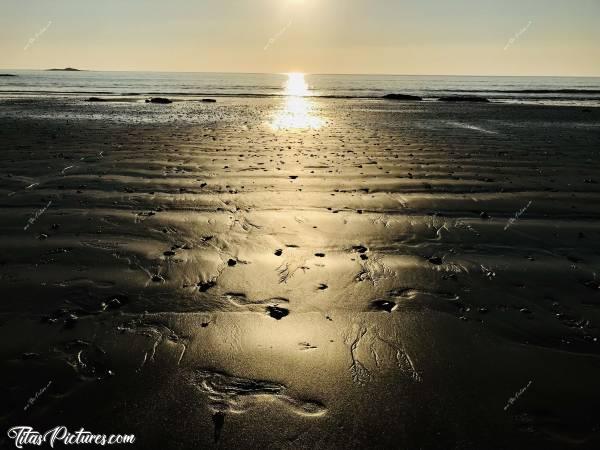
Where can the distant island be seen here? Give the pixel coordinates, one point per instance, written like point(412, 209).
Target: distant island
point(66, 69)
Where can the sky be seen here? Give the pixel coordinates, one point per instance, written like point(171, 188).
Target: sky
point(421, 37)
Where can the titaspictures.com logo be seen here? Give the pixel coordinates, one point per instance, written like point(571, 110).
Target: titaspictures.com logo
point(25, 436)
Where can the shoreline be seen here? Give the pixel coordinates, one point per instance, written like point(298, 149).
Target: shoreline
point(195, 97)
point(192, 258)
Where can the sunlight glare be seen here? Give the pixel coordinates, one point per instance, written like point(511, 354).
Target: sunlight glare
point(297, 112)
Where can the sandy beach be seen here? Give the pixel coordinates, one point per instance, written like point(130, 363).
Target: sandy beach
point(415, 275)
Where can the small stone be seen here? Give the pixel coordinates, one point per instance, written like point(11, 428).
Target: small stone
point(205, 286)
point(436, 260)
point(277, 313)
point(383, 305)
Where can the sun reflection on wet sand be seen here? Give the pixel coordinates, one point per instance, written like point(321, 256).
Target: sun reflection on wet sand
point(297, 112)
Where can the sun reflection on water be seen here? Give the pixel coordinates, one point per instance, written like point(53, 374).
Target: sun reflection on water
point(297, 111)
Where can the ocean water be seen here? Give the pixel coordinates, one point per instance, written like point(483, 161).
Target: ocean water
point(558, 90)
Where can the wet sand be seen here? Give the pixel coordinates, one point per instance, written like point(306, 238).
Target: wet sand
point(409, 275)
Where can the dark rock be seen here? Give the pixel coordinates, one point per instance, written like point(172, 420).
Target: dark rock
point(231, 262)
point(96, 99)
point(7, 75)
point(436, 260)
point(205, 286)
point(276, 312)
point(209, 100)
point(405, 97)
point(66, 69)
point(159, 100)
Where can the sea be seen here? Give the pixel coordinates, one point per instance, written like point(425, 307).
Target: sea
point(545, 90)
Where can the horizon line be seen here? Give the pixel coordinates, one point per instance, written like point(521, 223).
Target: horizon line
point(307, 73)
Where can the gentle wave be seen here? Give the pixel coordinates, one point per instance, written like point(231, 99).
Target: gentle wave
point(525, 91)
point(187, 86)
point(539, 95)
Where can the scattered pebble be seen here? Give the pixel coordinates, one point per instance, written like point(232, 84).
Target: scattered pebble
point(277, 313)
point(383, 305)
point(436, 260)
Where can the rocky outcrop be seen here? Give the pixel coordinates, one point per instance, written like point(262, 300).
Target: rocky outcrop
point(159, 100)
point(405, 97)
